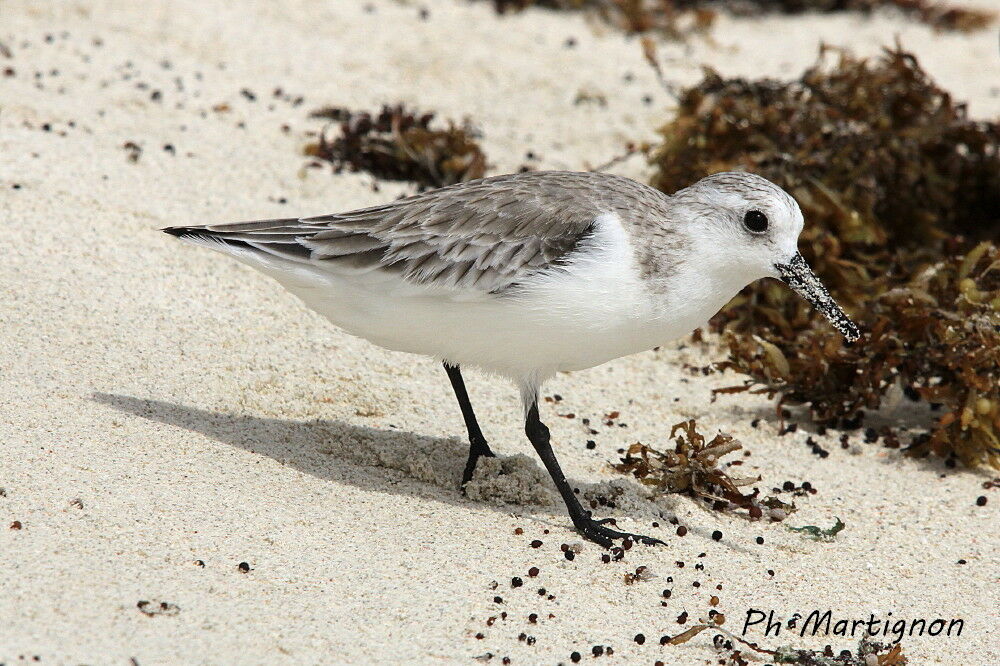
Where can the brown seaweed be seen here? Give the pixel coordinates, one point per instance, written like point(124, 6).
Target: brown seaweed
point(399, 144)
point(678, 18)
point(897, 185)
point(693, 468)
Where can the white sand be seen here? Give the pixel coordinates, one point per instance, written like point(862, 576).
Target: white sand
point(199, 412)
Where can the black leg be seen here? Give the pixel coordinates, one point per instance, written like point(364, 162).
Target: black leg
point(592, 529)
point(477, 443)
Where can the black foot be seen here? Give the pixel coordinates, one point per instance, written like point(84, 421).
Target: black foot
point(595, 531)
point(481, 451)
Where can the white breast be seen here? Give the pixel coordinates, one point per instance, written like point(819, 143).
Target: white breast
point(592, 309)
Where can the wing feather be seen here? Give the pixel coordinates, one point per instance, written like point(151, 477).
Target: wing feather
point(485, 235)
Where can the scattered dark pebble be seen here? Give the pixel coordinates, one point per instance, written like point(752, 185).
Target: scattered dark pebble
point(516, 582)
point(152, 608)
point(640, 639)
point(570, 555)
point(716, 535)
point(981, 500)
point(759, 540)
point(243, 567)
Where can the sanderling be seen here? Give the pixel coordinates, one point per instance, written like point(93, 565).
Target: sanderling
point(525, 275)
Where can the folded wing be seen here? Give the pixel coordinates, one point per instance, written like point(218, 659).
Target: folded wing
point(484, 235)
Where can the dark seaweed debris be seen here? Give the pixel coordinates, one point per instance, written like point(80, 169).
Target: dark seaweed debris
point(935, 14)
point(678, 18)
point(897, 185)
point(692, 468)
point(938, 334)
point(674, 19)
point(399, 144)
point(818, 533)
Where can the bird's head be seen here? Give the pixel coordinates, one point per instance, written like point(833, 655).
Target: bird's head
point(745, 226)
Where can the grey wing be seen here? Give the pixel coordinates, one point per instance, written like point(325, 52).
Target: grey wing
point(482, 235)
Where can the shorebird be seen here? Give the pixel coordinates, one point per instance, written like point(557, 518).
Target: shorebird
point(526, 275)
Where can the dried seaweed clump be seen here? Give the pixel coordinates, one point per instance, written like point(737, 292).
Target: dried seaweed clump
point(938, 335)
point(935, 14)
point(668, 17)
point(674, 19)
point(399, 144)
point(693, 468)
point(897, 185)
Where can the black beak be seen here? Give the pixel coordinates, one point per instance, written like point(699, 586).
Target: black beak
point(797, 274)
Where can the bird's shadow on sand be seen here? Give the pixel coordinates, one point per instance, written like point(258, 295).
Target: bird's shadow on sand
point(408, 463)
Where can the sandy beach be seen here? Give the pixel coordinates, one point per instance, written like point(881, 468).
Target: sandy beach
point(169, 414)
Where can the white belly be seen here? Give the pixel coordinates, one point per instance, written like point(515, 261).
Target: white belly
point(590, 311)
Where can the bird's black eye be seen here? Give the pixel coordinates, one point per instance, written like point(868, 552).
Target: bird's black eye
point(755, 221)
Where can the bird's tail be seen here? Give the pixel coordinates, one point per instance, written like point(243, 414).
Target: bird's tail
point(275, 238)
